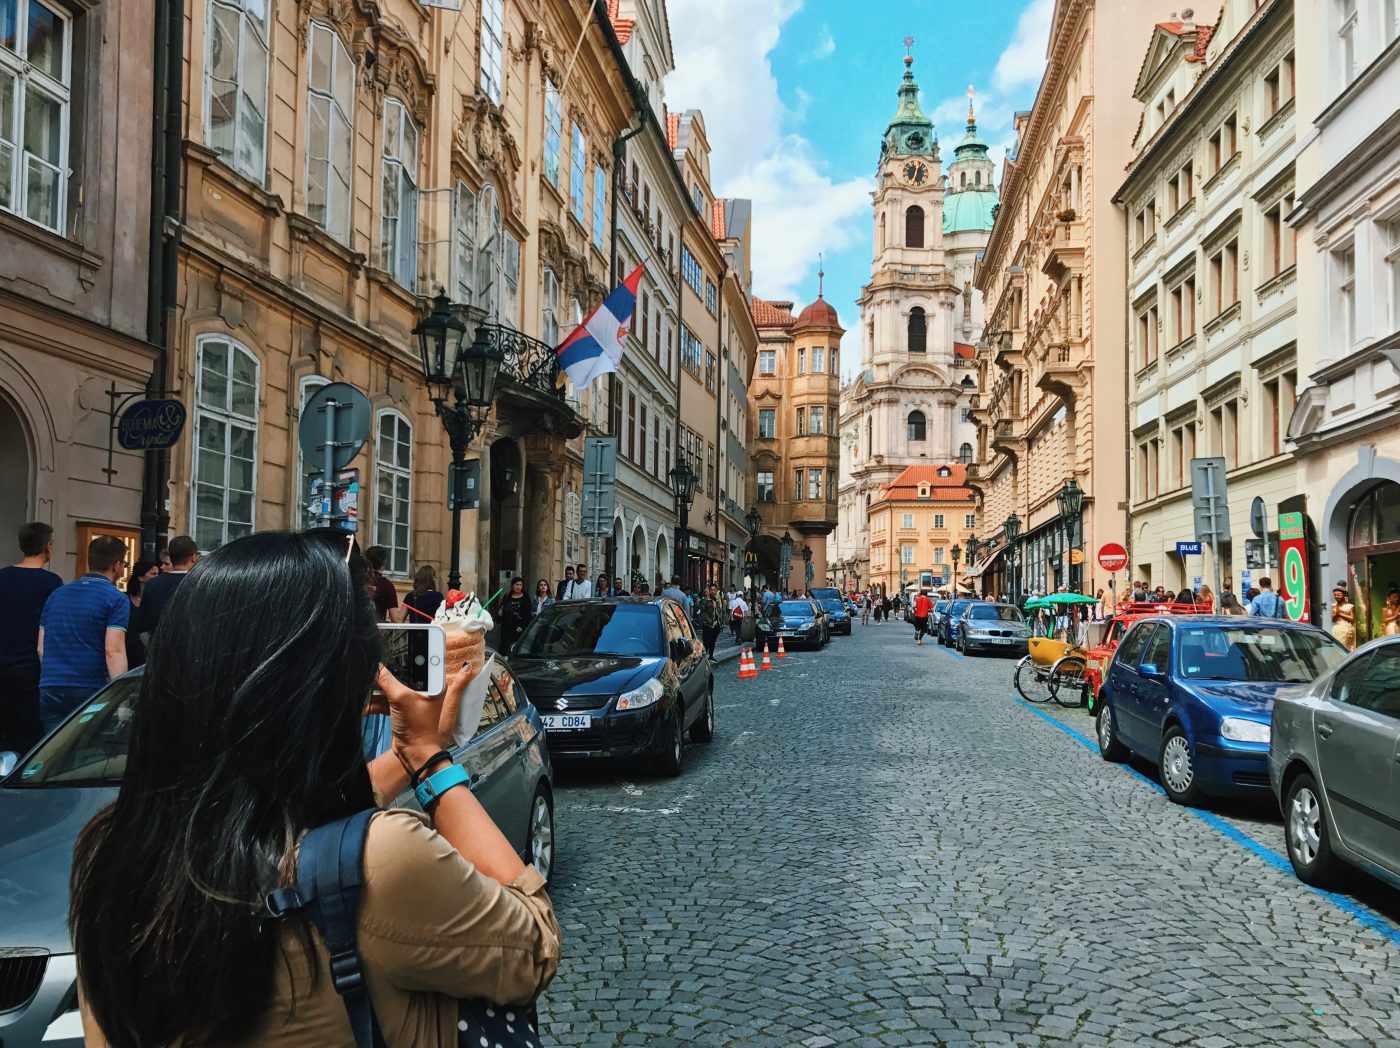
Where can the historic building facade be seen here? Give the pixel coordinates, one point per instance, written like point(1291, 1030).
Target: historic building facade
point(1052, 404)
point(910, 402)
point(1212, 324)
point(1345, 430)
point(79, 308)
point(919, 526)
point(794, 398)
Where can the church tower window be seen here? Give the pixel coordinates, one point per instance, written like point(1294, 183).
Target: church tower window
point(914, 227)
point(918, 331)
point(917, 426)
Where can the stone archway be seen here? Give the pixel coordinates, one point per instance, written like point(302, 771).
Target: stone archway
point(508, 540)
point(662, 567)
point(637, 569)
point(16, 471)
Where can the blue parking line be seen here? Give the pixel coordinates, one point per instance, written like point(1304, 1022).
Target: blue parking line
point(1365, 917)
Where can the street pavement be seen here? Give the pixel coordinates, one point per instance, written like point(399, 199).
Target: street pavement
point(882, 846)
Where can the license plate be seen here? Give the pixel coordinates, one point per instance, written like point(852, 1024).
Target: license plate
point(567, 721)
point(785, 633)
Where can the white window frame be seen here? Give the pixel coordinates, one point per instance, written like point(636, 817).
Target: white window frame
point(229, 419)
point(908, 520)
point(771, 357)
point(396, 565)
point(906, 554)
point(308, 385)
point(818, 360)
point(1344, 285)
point(1347, 25)
point(464, 244)
point(1392, 264)
point(814, 485)
point(27, 77)
point(816, 420)
point(549, 308)
point(399, 258)
point(340, 112)
point(767, 487)
point(489, 247)
point(970, 520)
point(771, 415)
point(254, 165)
point(553, 132)
point(600, 201)
point(938, 521)
point(493, 18)
point(510, 278)
point(578, 174)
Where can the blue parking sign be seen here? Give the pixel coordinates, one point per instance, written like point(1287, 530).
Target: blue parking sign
point(1188, 549)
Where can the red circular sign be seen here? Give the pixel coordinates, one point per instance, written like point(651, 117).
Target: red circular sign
point(1112, 557)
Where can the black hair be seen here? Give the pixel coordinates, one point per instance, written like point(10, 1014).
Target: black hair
point(133, 581)
point(246, 734)
point(33, 537)
point(103, 552)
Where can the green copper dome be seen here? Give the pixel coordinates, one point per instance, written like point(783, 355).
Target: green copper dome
point(968, 211)
point(910, 133)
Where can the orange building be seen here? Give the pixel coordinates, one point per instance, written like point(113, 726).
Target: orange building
point(917, 521)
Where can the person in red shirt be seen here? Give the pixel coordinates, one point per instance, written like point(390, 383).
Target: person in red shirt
point(922, 606)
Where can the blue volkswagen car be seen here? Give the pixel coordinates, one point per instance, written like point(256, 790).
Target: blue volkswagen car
point(1195, 696)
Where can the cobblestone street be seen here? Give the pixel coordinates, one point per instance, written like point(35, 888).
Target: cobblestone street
point(882, 846)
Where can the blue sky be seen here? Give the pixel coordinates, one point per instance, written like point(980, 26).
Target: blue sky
point(796, 94)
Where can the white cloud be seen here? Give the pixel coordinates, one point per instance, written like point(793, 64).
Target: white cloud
point(825, 46)
point(1023, 60)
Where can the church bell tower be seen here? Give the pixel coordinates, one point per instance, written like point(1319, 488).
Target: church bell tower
point(908, 202)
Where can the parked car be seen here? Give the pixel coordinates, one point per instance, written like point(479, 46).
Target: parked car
point(1104, 640)
point(985, 626)
point(951, 614)
point(1195, 695)
point(838, 616)
point(1332, 765)
point(621, 677)
point(77, 770)
point(936, 615)
point(797, 621)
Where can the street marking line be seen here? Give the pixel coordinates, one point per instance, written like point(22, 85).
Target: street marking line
point(1364, 916)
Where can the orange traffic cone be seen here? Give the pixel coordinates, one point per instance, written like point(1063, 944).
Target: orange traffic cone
point(747, 669)
point(782, 654)
point(767, 662)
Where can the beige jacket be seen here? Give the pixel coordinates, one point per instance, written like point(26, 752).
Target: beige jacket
point(432, 929)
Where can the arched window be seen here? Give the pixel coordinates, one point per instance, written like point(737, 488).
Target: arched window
point(882, 231)
point(398, 202)
point(977, 179)
point(963, 178)
point(918, 331)
point(331, 104)
point(488, 249)
point(226, 436)
point(965, 454)
point(916, 426)
point(914, 227)
point(869, 436)
point(393, 478)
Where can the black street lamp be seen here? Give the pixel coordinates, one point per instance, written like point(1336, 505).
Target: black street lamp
point(683, 479)
point(972, 545)
point(753, 521)
point(806, 565)
point(1013, 532)
point(957, 555)
point(785, 560)
point(1071, 500)
point(470, 378)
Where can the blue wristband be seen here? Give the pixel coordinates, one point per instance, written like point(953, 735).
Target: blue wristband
point(438, 783)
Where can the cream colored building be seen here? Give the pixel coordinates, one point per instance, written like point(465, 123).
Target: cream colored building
point(910, 402)
point(1053, 397)
point(1212, 292)
point(916, 521)
point(1346, 429)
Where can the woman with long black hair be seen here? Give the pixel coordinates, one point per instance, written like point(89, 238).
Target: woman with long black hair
point(246, 735)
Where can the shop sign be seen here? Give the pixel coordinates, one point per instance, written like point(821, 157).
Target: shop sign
point(1188, 549)
point(151, 425)
point(1293, 548)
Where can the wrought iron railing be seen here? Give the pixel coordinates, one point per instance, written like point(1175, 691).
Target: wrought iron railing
point(528, 361)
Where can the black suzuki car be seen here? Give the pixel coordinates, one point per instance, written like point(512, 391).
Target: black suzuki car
point(617, 678)
point(797, 621)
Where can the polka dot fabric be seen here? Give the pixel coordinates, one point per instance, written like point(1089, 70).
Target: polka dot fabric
point(484, 1025)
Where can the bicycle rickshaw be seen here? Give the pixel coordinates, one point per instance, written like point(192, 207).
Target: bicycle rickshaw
point(1053, 668)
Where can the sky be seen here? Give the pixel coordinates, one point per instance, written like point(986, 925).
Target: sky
point(797, 93)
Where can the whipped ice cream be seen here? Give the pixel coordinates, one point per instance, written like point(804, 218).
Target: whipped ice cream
point(464, 611)
point(465, 624)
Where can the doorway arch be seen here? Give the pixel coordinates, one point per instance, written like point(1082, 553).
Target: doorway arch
point(17, 474)
point(1373, 557)
point(508, 555)
point(637, 566)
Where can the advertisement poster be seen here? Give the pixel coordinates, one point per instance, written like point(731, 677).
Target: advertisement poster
point(1293, 584)
point(347, 499)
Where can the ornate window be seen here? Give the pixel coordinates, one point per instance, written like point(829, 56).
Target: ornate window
point(914, 227)
point(553, 132)
point(965, 454)
point(493, 18)
point(393, 471)
point(463, 244)
point(226, 442)
point(330, 108)
point(549, 308)
point(398, 220)
point(578, 167)
point(488, 248)
point(600, 199)
point(235, 84)
point(918, 331)
point(35, 55)
point(916, 426)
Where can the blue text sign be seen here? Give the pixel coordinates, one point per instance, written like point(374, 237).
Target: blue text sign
point(150, 425)
point(1188, 549)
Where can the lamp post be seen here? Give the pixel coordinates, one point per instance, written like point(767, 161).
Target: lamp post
point(807, 565)
point(470, 378)
point(785, 561)
point(753, 521)
point(956, 551)
point(683, 479)
point(1013, 532)
point(1071, 500)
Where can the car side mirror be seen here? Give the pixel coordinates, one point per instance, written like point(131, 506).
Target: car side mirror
point(680, 649)
point(1152, 670)
point(8, 760)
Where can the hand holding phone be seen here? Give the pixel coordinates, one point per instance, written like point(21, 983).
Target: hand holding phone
point(414, 654)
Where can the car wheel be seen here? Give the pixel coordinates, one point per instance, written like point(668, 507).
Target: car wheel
point(672, 753)
point(1110, 749)
point(1309, 840)
point(703, 730)
point(541, 840)
point(1177, 768)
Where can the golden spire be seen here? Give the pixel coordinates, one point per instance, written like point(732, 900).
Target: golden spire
point(971, 116)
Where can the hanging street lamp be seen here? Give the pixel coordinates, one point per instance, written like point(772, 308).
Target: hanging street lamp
point(1071, 500)
point(683, 480)
point(1013, 532)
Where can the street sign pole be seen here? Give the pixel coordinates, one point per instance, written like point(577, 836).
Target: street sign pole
point(1214, 528)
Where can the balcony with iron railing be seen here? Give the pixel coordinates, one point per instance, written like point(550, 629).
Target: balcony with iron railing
point(530, 393)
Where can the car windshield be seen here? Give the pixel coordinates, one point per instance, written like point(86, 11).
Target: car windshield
point(940, 606)
point(832, 604)
point(956, 608)
point(796, 608)
point(826, 593)
point(1255, 653)
point(593, 629)
point(1004, 612)
point(90, 748)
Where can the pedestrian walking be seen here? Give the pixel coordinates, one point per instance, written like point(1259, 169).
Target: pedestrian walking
point(712, 615)
point(566, 584)
point(241, 744)
point(738, 611)
point(144, 571)
point(381, 590)
point(543, 598)
point(922, 607)
point(1230, 604)
point(424, 597)
point(82, 633)
point(1205, 599)
point(24, 587)
point(1268, 604)
point(583, 589)
point(516, 612)
point(675, 593)
point(184, 555)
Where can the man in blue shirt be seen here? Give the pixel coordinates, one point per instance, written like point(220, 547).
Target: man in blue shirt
point(1268, 604)
point(23, 589)
point(82, 633)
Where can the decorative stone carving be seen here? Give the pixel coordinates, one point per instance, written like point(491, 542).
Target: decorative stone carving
point(482, 139)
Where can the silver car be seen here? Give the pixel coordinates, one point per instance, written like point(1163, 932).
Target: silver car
point(76, 771)
point(1334, 764)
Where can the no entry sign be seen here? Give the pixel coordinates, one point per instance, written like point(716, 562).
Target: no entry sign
point(1112, 557)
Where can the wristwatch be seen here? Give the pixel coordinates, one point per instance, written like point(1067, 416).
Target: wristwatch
point(439, 782)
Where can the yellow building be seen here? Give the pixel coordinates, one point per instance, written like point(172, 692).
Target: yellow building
point(919, 525)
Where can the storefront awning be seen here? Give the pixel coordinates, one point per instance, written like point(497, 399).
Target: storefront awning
point(977, 571)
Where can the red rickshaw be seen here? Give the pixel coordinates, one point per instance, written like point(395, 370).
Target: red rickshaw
point(1127, 613)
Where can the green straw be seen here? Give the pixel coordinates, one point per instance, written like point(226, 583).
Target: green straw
point(489, 600)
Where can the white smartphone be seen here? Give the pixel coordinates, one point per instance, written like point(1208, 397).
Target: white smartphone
point(414, 653)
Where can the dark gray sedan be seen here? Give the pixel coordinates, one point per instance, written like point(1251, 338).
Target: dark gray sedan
point(1334, 764)
point(76, 771)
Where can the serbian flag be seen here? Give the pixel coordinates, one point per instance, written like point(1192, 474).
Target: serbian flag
point(595, 347)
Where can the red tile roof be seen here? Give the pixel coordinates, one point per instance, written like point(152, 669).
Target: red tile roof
point(1203, 35)
point(717, 220)
point(771, 314)
point(820, 314)
point(673, 129)
point(947, 489)
point(963, 351)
